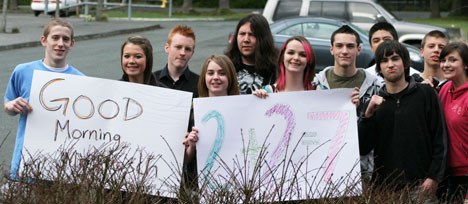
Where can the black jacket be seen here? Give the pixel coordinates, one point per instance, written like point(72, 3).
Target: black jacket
point(408, 135)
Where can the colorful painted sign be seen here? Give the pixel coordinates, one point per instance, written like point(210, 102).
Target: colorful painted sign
point(89, 113)
point(300, 144)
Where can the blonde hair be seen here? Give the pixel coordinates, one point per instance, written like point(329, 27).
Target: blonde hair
point(57, 22)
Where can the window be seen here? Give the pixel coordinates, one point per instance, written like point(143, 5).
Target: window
point(319, 30)
point(362, 13)
point(334, 10)
point(287, 9)
point(315, 8)
point(292, 30)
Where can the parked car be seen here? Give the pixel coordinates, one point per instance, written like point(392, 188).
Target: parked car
point(66, 7)
point(362, 13)
point(319, 30)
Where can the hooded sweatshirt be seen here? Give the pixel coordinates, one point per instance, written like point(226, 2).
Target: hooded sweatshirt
point(408, 135)
point(455, 106)
point(369, 87)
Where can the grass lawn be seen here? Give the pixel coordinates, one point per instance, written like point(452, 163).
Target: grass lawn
point(449, 22)
point(226, 15)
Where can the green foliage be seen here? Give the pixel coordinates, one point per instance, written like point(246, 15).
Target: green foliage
point(232, 3)
point(224, 14)
point(449, 22)
point(15, 30)
point(248, 4)
point(24, 2)
point(445, 5)
point(414, 5)
point(103, 18)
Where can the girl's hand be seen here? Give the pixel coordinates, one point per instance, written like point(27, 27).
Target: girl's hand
point(261, 93)
point(191, 138)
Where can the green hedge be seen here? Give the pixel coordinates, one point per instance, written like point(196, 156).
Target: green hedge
point(198, 3)
point(233, 3)
point(21, 2)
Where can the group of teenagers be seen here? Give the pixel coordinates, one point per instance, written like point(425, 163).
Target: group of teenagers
point(413, 126)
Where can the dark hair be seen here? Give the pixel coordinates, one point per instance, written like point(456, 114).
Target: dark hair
point(462, 50)
point(433, 33)
point(383, 26)
point(388, 48)
point(309, 71)
point(228, 68)
point(265, 52)
point(145, 45)
point(346, 30)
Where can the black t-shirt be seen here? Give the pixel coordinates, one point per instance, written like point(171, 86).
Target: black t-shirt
point(249, 80)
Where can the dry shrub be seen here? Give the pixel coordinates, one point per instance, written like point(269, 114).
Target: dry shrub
point(107, 175)
point(267, 184)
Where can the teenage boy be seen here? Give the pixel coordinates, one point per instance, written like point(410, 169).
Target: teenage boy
point(378, 33)
point(431, 46)
point(57, 39)
point(405, 127)
point(179, 47)
point(345, 47)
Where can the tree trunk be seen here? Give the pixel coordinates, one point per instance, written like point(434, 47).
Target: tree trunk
point(435, 9)
point(223, 4)
point(187, 6)
point(13, 4)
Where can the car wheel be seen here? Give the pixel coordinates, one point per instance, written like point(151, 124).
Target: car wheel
point(36, 13)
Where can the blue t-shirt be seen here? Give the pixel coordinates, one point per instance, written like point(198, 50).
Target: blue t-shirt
point(20, 86)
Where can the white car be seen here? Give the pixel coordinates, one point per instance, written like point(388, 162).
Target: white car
point(362, 13)
point(66, 7)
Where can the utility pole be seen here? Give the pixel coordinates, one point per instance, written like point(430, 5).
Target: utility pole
point(4, 14)
point(99, 8)
point(57, 10)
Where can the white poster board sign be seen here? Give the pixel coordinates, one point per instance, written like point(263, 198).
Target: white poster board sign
point(293, 145)
point(89, 113)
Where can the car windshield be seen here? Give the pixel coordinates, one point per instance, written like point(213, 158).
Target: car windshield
point(358, 29)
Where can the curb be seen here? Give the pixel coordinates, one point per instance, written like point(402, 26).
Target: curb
point(116, 32)
point(84, 37)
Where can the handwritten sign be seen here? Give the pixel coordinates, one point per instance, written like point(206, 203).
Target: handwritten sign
point(90, 112)
point(295, 145)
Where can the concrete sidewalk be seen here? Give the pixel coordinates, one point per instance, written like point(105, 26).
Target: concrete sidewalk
point(30, 29)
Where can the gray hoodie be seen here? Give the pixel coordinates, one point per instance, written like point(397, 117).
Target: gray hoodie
point(369, 87)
